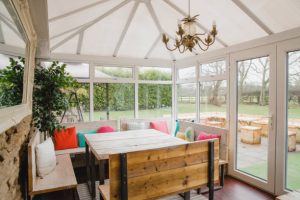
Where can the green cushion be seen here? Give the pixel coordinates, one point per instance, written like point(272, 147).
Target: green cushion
point(177, 127)
point(80, 136)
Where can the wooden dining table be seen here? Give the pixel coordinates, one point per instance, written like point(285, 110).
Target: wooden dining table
point(100, 146)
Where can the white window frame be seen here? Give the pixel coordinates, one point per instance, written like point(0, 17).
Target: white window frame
point(220, 77)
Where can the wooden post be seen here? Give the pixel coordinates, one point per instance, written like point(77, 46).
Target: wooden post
point(87, 162)
point(211, 169)
point(93, 176)
point(124, 186)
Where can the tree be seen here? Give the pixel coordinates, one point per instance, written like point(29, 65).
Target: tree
point(243, 70)
point(262, 67)
point(11, 82)
point(215, 68)
point(50, 96)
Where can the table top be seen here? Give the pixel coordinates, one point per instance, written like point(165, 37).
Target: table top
point(102, 145)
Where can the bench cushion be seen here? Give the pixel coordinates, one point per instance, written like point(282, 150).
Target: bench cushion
point(161, 126)
point(65, 139)
point(61, 178)
point(45, 158)
point(80, 137)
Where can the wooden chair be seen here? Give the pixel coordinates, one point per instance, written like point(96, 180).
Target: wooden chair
point(62, 178)
point(155, 173)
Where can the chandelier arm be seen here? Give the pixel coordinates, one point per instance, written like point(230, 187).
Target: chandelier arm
point(170, 48)
point(203, 49)
point(204, 43)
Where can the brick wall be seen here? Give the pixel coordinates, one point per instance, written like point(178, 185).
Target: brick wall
point(13, 161)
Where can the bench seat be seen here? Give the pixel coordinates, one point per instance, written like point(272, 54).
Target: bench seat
point(62, 178)
point(105, 191)
point(78, 150)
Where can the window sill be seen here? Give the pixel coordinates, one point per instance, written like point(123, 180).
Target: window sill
point(12, 116)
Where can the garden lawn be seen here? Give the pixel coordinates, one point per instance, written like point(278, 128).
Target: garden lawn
point(293, 170)
point(294, 112)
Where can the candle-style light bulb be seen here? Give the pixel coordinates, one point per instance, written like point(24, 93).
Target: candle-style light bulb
point(214, 23)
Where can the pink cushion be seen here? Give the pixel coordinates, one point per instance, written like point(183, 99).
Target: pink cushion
point(105, 129)
point(161, 126)
point(206, 136)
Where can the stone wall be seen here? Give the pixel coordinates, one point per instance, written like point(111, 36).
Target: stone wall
point(13, 160)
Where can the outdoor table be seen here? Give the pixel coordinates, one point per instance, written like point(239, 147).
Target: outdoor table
point(295, 126)
point(264, 125)
point(100, 146)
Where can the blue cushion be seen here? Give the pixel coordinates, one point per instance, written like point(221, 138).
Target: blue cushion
point(177, 127)
point(80, 136)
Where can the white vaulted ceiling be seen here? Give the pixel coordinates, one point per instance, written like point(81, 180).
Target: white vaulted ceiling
point(132, 28)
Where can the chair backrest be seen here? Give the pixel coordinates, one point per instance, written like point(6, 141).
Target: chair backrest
point(34, 141)
point(160, 172)
point(224, 133)
point(89, 126)
point(124, 122)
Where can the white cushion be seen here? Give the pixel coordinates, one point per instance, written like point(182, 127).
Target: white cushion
point(137, 126)
point(45, 158)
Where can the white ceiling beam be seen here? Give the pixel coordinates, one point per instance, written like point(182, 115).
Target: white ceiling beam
point(76, 11)
point(157, 23)
point(129, 20)
point(79, 44)
point(39, 15)
point(89, 24)
point(153, 46)
point(224, 44)
point(2, 41)
point(3, 19)
point(66, 32)
point(250, 14)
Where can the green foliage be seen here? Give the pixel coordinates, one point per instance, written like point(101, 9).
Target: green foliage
point(155, 75)
point(50, 96)
point(11, 83)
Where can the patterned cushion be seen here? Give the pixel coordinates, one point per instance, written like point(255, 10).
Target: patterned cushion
point(180, 135)
point(189, 134)
point(136, 125)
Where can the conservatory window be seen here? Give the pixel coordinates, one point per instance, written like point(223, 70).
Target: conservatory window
point(213, 68)
point(113, 101)
point(11, 91)
point(155, 101)
point(113, 72)
point(155, 73)
point(186, 101)
point(213, 94)
point(186, 73)
point(76, 70)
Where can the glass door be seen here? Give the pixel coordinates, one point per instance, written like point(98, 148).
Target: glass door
point(253, 85)
point(292, 131)
point(288, 128)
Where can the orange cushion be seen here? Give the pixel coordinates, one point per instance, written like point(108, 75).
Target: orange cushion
point(161, 126)
point(65, 139)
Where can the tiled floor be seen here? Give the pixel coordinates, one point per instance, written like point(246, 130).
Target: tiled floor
point(233, 190)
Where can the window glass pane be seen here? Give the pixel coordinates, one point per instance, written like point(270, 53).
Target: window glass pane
point(155, 100)
point(213, 68)
point(252, 119)
point(186, 101)
point(293, 129)
point(79, 109)
point(155, 73)
point(113, 72)
point(11, 81)
point(186, 73)
point(113, 101)
point(77, 70)
point(213, 99)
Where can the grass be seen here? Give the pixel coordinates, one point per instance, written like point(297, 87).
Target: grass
point(294, 111)
point(293, 167)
